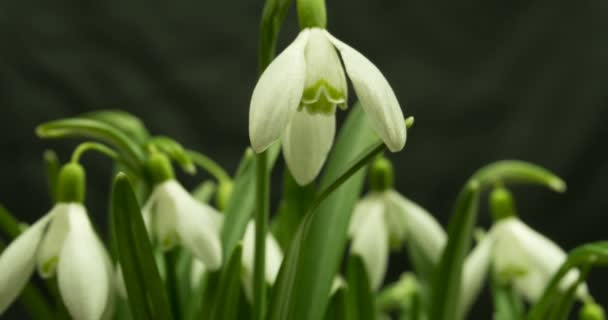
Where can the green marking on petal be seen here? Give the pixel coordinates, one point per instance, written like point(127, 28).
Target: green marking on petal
point(322, 98)
point(49, 266)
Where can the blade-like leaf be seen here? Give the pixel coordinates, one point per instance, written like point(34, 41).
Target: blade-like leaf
point(147, 296)
point(88, 128)
point(446, 286)
point(52, 166)
point(588, 255)
point(302, 289)
point(229, 291)
point(337, 305)
point(359, 296)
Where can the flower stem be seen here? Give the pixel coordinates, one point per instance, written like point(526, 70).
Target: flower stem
point(209, 165)
point(86, 146)
point(261, 226)
point(172, 280)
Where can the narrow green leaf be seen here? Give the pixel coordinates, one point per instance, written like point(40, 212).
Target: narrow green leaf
point(147, 296)
point(588, 255)
point(337, 305)
point(564, 303)
point(9, 225)
point(229, 290)
point(88, 128)
point(51, 165)
point(359, 296)
point(175, 151)
point(446, 281)
point(123, 121)
point(294, 205)
point(507, 303)
point(313, 258)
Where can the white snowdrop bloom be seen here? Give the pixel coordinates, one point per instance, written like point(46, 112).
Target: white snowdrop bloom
point(173, 216)
point(61, 243)
point(274, 258)
point(296, 97)
point(528, 259)
point(385, 219)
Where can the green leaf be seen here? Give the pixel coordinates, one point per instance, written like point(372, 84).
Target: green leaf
point(9, 225)
point(337, 305)
point(294, 205)
point(123, 121)
point(88, 128)
point(446, 281)
point(359, 296)
point(313, 258)
point(507, 303)
point(175, 151)
point(588, 255)
point(52, 166)
point(565, 301)
point(229, 291)
point(147, 296)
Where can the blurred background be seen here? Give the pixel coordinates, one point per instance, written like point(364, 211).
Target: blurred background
point(486, 80)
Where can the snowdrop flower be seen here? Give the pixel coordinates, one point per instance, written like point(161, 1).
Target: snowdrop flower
point(296, 97)
point(173, 216)
point(62, 243)
point(274, 258)
point(523, 255)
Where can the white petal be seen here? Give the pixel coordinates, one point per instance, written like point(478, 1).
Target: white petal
point(50, 247)
point(370, 242)
point(361, 212)
point(423, 230)
point(376, 96)
point(17, 262)
point(277, 95)
point(82, 274)
point(518, 247)
point(396, 219)
point(197, 271)
point(274, 258)
point(474, 273)
point(198, 227)
point(324, 73)
point(161, 213)
point(307, 141)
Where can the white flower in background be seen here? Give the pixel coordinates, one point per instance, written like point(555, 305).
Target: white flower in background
point(528, 259)
point(296, 97)
point(274, 258)
point(173, 216)
point(61, 243)
point(385, 219)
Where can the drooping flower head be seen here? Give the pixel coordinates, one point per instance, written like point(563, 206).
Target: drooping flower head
point(173, 217)
point(62, 243)
point(296, 98)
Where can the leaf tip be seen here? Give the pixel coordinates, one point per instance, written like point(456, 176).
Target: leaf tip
point(557, 184)
point(409, 122)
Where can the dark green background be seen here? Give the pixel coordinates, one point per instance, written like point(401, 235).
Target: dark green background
point(486, 80)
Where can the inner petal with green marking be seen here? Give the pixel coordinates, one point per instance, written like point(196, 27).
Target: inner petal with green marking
point(322, 98)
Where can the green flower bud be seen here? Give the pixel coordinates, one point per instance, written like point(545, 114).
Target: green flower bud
point(223, 194)
point(160, 168)
point(381, 175)
point(71, 183)
point(592, 311)
point(501, 204)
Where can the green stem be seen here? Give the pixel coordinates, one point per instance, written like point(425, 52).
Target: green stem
point(209, 165)
point(172, 282)
point(96, 146)
point(261, 226)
